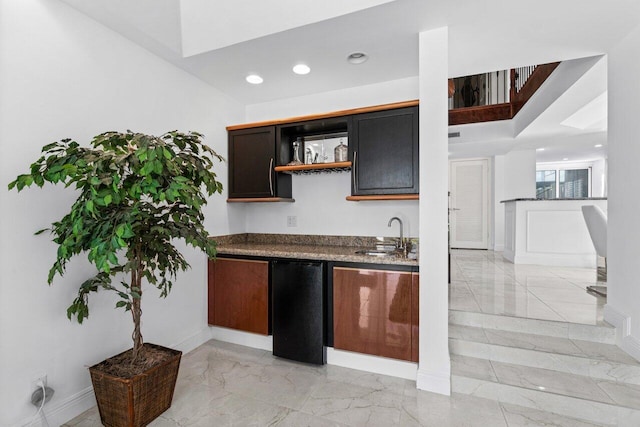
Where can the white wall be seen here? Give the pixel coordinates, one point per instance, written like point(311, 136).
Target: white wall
point(320, 205)
point(63, 75)
point(623, 237)
point(520, 174)
point(599, 178)
point(513, 175)
point(361, 96)
point(434, 369)
point(497, 181)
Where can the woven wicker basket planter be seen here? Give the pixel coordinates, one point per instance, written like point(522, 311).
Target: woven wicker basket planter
point(136, 401)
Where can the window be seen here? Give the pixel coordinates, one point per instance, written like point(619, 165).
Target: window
point(546, 184)
point(574, 183)
point(563, 183)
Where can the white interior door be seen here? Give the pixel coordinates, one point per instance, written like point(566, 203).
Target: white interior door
point(469, 203)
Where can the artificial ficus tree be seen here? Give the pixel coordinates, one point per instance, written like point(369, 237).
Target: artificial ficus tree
point(138, 195)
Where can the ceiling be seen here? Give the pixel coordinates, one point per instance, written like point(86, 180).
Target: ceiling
point(223, 41)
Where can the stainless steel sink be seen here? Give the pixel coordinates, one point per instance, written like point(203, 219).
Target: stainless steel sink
point(376, 252)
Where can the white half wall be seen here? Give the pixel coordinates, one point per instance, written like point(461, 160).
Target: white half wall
point(64, 75)
point(623, 237)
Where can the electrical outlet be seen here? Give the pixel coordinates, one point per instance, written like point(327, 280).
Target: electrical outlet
point(292, 221)
point(36, 381)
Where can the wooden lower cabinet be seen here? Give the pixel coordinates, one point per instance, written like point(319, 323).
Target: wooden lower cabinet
point(415, 315)
point(239, 294)
point(373, 312)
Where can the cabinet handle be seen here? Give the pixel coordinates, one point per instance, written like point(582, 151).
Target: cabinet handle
point(271, 176)
point(355, 172)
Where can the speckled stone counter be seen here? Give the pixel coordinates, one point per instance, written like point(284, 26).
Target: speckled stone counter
point(311, 247)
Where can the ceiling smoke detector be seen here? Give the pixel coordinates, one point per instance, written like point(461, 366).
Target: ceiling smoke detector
point(357, 57)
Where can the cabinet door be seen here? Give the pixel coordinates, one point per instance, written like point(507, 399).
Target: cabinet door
point(372, 312)
point(251, 161)
point(415, 316)
point(385, 152)
point(239, 295)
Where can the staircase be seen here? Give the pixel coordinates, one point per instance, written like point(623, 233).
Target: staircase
point(572, 370)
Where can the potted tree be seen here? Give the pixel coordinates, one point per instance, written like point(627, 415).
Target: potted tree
point(137, 195)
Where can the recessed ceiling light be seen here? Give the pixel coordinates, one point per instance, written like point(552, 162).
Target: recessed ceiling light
point(254, 79)
point(357, 57)
point(566, 158)
point(598, 145)
point(539, 149)
point(301, 69)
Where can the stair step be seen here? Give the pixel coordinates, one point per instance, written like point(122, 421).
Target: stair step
point(604, 370)
point(595, 360)
point(517, 415)
point(595, 400)
point(603, 333)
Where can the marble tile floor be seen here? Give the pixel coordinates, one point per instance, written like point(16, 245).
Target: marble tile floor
point(222, 384)
point(484, 282)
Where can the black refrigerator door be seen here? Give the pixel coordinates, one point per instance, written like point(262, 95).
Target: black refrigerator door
point(297, 310)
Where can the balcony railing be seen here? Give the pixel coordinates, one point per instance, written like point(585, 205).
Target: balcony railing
point(498, 95)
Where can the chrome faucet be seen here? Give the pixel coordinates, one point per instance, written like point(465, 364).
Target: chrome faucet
point(400, 244)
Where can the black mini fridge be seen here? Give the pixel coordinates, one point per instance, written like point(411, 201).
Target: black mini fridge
point(298, 311)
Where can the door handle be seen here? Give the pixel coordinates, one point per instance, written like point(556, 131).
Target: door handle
point(271, 177)
point(355, 172)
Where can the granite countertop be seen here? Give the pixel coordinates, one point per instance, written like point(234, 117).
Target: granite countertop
point(310, 247)
point(553, 200)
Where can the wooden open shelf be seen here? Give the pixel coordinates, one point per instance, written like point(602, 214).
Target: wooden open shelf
point(384, 197)
point(315, 168)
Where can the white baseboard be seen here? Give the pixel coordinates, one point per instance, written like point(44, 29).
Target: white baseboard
point(499, 247)
point(435, 382)
point(67, 409)
point(624, 339)
point(262, 342)
point(375, 364)
point(194, 341)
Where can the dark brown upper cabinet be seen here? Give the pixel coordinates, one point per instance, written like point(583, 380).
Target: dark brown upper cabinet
point(383, 147)
point(252, 157)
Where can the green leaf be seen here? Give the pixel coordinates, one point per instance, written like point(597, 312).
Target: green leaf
point(136, 195)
